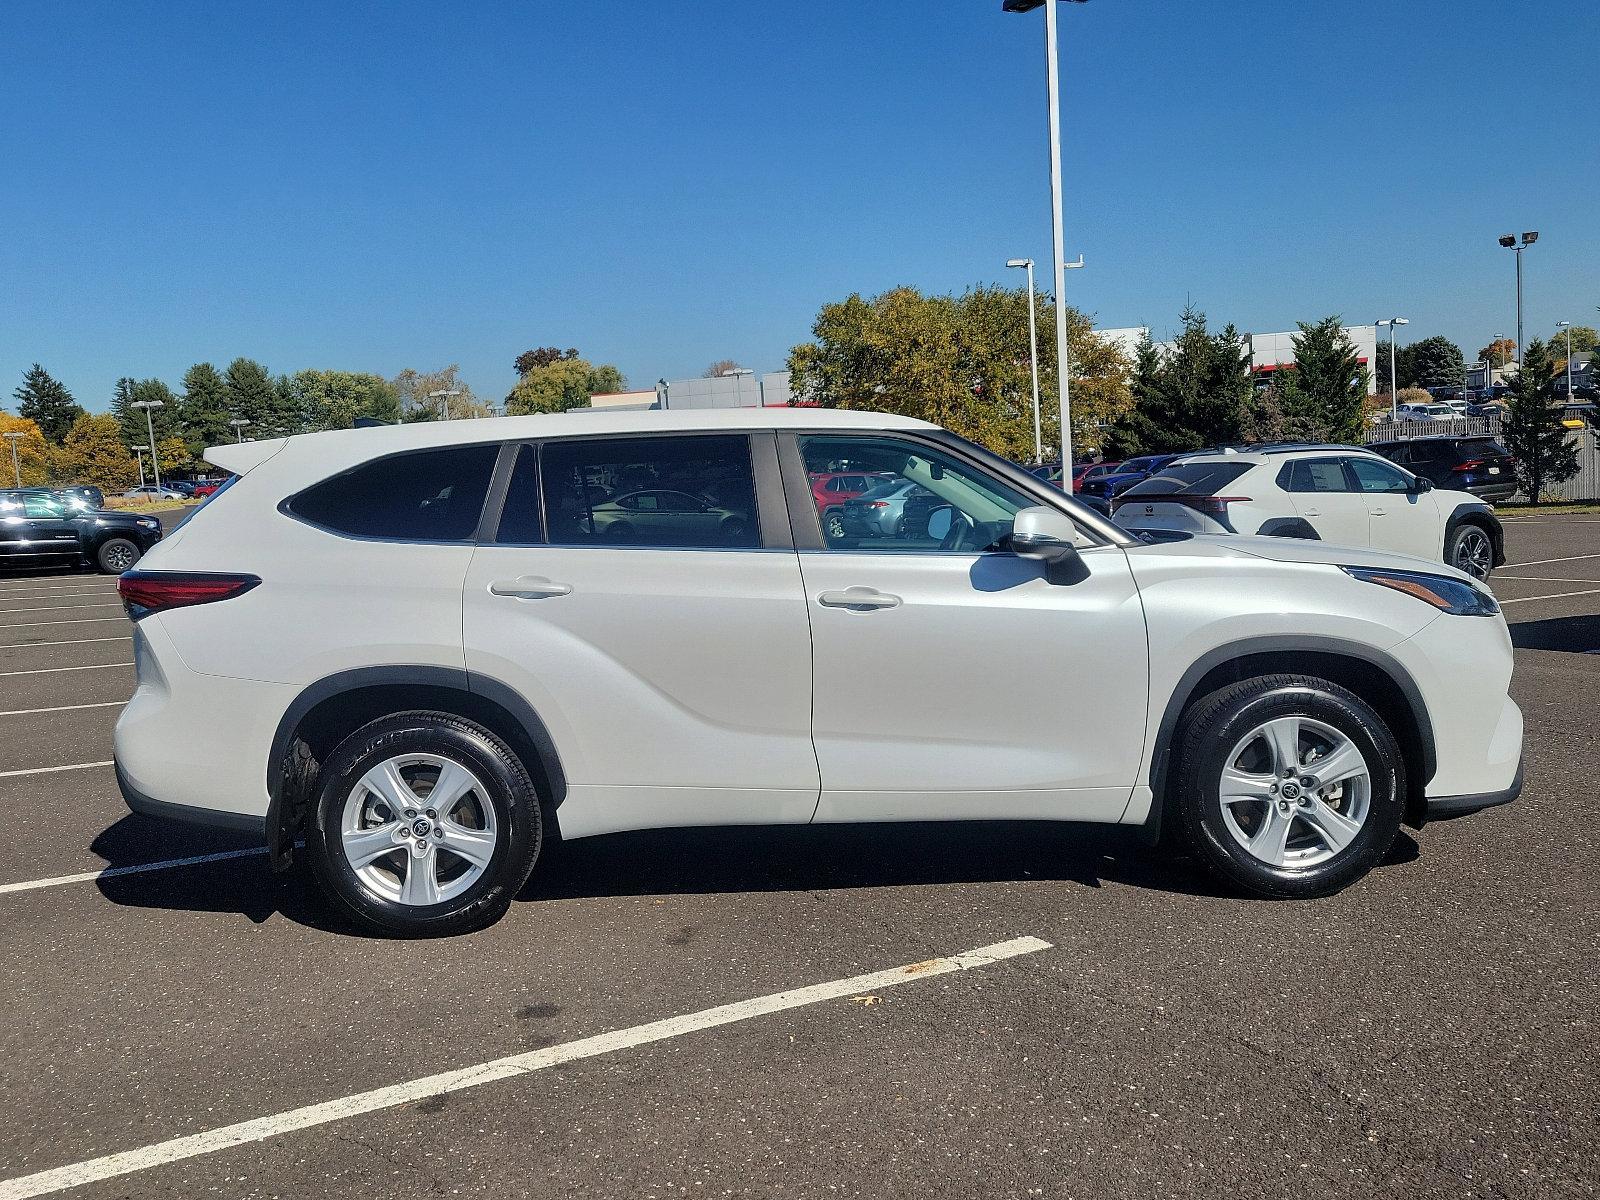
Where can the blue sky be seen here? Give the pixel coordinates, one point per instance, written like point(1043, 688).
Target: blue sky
point(372, 187)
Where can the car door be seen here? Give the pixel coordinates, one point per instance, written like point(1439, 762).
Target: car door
point(1399, 517)
point(674, 678)
point(952, 680)
point(46, 528)
point(1325, 497)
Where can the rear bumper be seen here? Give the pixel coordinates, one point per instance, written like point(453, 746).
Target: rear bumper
point(188, 814)
point(1443, 808)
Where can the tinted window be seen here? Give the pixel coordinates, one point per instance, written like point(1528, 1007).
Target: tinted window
point(1195, 479)
point(428, 496)
point(681, 492)
point(1314, 475)
point(1374, 475)
point(1481, 448)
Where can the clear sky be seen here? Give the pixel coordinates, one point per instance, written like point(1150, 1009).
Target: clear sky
point(372, 187)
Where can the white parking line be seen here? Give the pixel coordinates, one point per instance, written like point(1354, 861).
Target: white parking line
point(135, 869)
point(43, 1183)
point(68, 621)
point(53, 770)
point(1544, 579)
point(1540, 562)
point(69, 642)
point(61, 607)
point(28, 712)
point(44, 595)
point(53, 670)
point(1555, 596)
point(37, 585)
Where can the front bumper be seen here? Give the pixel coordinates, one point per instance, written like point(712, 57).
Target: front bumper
point(1443, 808)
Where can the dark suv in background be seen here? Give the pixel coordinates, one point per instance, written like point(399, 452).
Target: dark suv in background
point(1480, 465)
point(38, 528)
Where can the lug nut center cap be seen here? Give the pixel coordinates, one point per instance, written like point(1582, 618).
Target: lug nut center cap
point(1290, 790)
point(422, 827)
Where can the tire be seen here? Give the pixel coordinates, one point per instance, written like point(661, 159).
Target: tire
point(497, 819)
point(117, 555)
point(833, 525)
point(1325, 839)
point(1470, 549)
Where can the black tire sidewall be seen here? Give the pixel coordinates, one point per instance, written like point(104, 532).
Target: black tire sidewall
point(510, 792)
point(1460, 535)
point(108, 544)
point(1220, 727)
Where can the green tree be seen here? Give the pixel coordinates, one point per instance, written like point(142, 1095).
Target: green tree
point(1324, 391)
point(961, 361)
point(1195, 395)
point(174, 455)
point(1498, 352)
point(1126, 436)
point(93, 452)
point(1584, 339)
point(334, 399)
point(166, 421)
point(1432, 362)
point(254, 396)
point(544, 356)
point(204, 408)
point(561, 384)
point(415, 387)
point(46, 402)
point(1262, 418)
point(34, 460)
point(1532, 428)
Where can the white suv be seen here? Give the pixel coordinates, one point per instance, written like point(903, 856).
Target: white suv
point(1325, 493)
point(424, 650)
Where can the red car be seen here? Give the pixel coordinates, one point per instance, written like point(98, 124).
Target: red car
point(206, 486)
point(830, 489)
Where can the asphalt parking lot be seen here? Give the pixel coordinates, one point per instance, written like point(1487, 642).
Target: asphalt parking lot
point(1430, 1032)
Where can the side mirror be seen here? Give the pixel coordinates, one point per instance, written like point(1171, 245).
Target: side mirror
point(1421, 484)
point(1051, 537)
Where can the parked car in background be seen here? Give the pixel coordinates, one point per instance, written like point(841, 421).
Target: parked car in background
point(1427, 412)
point(39, 529)
point(82, 496)
point(1487, 409)
point(881, 512)
point(1320, 493)
point(1092, 481)
point(149, 491)
point(378, 653)
point(831, 489)
point(1480, 465)
point(1134, 470)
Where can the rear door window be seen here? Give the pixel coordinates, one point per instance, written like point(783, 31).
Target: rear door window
point(423, 496)
point(676, 492)
point(1190, 479)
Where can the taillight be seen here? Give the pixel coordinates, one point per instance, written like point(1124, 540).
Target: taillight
point(145, 592)
point(877, 504)
point(1472, 464)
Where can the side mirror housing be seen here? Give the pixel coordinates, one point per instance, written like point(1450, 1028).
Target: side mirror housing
point(1050, 536)
point(1421, 484)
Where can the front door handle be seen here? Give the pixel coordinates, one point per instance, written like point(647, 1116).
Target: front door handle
point(858, 599)
point(1379, 512)
point(530, 587)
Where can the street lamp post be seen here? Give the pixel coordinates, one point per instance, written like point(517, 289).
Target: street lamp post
point(1509, 241)
point(139, 453)
point(150, 428)
point(1567, 325)
point(1057, 216)
point(1033, 362)
point(16, 465)
point(1394, 394)
point(446, 397)
point(238, 424)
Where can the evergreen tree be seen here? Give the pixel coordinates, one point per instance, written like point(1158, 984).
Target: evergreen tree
point(205, 408)
point(1532, 429)
point(1323, 394)
point(44, 401)
point(165, 421)
point(253, 398)
point(1130, 435)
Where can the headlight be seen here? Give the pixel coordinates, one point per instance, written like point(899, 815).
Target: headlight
point(148, 523)
point(1455, 596)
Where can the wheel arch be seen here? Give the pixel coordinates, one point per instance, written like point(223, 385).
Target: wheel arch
point(327, 711)
point(1289, 527)
point(1370, 673)
point(1482, 516)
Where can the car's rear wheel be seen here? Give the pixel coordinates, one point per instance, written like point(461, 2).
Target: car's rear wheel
point(117, 555)
point(833, 525)
point(1287, 786)
point(1471, 550)
point(426, 824)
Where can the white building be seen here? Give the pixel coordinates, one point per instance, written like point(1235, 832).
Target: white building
point(1269, 351)
point(744, 389)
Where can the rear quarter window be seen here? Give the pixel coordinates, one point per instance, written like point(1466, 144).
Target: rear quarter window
point(422, 496)
point(1190, 479)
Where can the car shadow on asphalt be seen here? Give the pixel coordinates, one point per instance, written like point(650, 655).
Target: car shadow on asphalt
point(1576, 635)
point(727, 861)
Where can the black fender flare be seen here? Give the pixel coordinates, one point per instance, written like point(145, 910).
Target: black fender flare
point(1179, 699)
point(450, 678)
point(1478, 514)
point(1289, 527)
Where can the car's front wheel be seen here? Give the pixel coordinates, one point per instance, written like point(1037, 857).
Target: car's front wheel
point(1471, 550)
point(1287, 786)
point(425, 824)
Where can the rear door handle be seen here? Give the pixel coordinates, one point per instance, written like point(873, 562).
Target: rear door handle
point(860, 599)
point(1310, 512)
point(1379, 512)
point(530, 587)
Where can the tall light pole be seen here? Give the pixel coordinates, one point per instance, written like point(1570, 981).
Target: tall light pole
point(238, 424)
point(446, 397)
point(1394, 395)
point(16, 466)
point(1567, 325)
point(150, 427)
point(139, 453)
point(1058, 219)
point(1033, 364)
point(1509, 241)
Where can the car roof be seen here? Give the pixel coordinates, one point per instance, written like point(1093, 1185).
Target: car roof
point(1273, 454)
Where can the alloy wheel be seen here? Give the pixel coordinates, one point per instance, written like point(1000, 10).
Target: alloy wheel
point(418, 829)
point(1295, 792)
point(120, 558)
point(1474, 554)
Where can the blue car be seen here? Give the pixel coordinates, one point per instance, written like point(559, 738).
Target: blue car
point(1134, 470)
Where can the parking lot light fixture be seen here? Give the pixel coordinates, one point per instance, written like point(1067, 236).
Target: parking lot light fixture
point(1058, 219)
point(445, 396)
point(238, 424)
point(16, 466)
point(147, 405)
point(1509, 241)
point(1033, 357)
point(1567, 325)
point(1394, 395)
point(139, 453)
